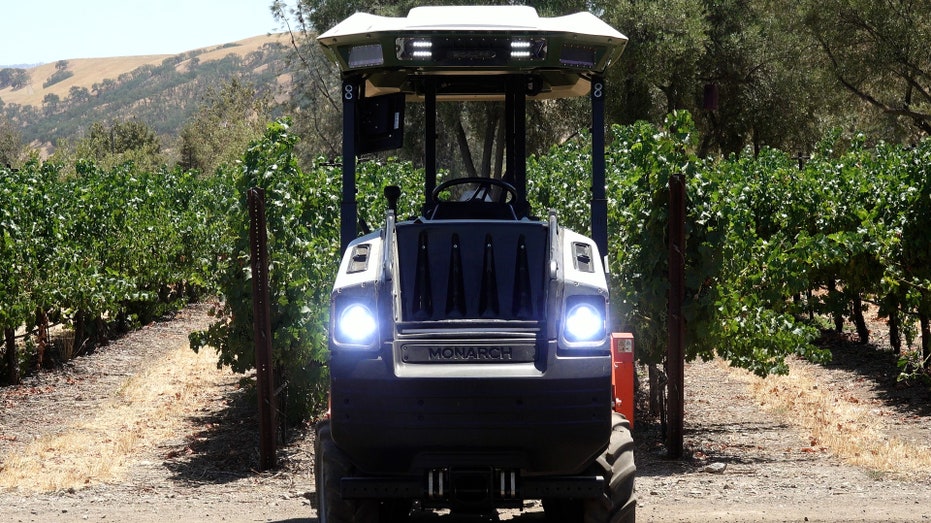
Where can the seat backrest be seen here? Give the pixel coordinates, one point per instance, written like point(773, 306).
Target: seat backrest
point(473, 209)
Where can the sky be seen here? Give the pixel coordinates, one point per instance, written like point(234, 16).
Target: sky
point(43, 31)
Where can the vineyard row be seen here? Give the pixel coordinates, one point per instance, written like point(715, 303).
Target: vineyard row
point(100, 251)
point(778, 246)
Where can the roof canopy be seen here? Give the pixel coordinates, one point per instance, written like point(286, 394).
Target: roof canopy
point(469, 45)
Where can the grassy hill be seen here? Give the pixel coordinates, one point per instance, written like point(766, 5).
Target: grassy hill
point(87, 72)
point(60, 100)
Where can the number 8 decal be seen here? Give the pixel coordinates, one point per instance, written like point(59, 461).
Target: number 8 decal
point(598, 90)
point(348, 91)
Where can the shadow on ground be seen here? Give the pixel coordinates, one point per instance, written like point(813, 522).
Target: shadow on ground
point(878, 365)
point(223, 448)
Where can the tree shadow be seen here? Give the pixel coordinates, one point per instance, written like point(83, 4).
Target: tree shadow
point(733, 443)
point(224, 448)
point(878, 365)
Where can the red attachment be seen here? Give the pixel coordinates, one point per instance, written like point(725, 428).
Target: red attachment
point(622, 376)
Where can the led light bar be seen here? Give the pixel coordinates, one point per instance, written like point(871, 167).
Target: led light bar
point(520, 49)
point(472, 50)
point(528, 49)
point(414, 49)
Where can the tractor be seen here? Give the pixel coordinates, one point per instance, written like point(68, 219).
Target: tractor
point(472, 365)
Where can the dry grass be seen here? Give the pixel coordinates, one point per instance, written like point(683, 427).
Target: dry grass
point(150, 408)
point(837, 423)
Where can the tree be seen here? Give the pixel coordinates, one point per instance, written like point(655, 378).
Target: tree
point(744, 69)
point(58, 76)
point(77, 95)
point(19, 78)
point(315, 97)
point(103, 87)
point(11, 143)
point(6, 77)
point(120, 142)
point(222, 127)
point(50, 103)
point(316, 16)
point(878, 52)
point(769, 77)
point(659, 71)
point(14, 78)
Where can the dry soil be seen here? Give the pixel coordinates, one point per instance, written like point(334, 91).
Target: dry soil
point(744, 462)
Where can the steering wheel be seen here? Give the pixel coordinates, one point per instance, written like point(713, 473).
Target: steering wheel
point(482, 192)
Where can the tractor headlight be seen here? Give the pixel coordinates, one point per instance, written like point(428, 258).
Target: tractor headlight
point(356, 324)
point(585, 319)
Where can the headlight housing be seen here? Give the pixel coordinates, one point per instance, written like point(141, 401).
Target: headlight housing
point(355, 323)
point(585, 322)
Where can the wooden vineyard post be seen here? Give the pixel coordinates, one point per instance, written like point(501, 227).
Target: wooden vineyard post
point(258, 240)
point(675, 356)
point(12, 358)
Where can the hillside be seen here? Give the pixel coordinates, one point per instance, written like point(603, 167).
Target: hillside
point(87, 72)
point(90, 71)
point(61, 99)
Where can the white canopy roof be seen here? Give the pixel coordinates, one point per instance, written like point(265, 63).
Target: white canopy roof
point(576, 47)
point(493, 18)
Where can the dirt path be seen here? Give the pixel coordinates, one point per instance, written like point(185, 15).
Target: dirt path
point(773, 473)
point(203, 469)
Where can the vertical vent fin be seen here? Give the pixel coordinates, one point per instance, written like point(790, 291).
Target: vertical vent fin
point(455, 287)
point(488, 301)
point(523, 297)
point(423, 296)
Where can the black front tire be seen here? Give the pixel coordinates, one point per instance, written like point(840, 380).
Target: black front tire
point(330, 465)
point(617, 504)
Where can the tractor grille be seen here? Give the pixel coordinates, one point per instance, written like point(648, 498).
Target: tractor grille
point(472, 270)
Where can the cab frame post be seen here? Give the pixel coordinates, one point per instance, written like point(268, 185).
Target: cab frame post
point(429, 142)
point(599, 206)
point(516, 130)
point(348, 211)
